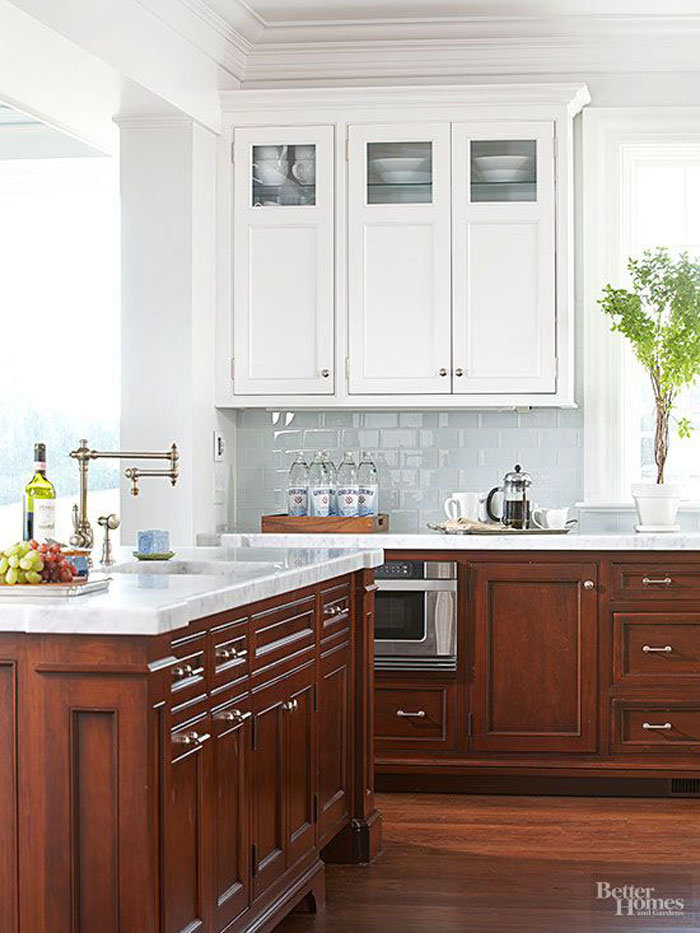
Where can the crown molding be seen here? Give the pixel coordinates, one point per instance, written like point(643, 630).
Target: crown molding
point(572, 96)
point(462, 58)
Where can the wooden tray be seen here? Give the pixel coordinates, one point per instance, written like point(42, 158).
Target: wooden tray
point(333, 525)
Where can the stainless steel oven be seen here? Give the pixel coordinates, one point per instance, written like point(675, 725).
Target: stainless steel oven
point(415, 619)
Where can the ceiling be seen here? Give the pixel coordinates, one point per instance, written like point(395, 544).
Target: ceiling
point(301, 12)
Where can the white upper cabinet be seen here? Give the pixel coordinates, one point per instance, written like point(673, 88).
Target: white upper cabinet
point(414, 251)
point(399, 259)
point(504, 306)
point(283, 291)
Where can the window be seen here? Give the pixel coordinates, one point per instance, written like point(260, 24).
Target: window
point(59, 343)
point(642, 190)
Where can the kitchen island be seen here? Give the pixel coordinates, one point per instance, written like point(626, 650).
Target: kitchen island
point(576, 661)
point(178, 754)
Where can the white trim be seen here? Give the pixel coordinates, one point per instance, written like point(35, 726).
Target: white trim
point(152, 121)
point(606, 135)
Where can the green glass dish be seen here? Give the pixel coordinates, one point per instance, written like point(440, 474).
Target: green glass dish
point(153, 556)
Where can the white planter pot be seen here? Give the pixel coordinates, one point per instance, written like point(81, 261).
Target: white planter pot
point(657, 506)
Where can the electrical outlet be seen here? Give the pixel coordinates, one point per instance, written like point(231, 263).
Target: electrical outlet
point(219, 447)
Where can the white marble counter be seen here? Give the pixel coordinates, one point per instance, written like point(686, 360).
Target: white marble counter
point(169, 596)
point(434, 541)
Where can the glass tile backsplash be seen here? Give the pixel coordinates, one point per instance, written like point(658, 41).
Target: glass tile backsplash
point(422, 457)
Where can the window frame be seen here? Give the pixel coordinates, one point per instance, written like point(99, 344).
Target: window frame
point(609, 136)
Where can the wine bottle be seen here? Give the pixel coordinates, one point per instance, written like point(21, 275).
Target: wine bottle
point(39, 501)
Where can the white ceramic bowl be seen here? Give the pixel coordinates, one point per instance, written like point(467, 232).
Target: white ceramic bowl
point(504, 167)
point(402, 170)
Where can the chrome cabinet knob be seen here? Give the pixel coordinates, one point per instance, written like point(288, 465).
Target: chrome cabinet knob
point(588, 585)
point(184, 670)
point(190, 738)
point(232, 715)
point(459, 371)
point(291, 706)
point(442, 371)
point(325, 373)
point(226, 654)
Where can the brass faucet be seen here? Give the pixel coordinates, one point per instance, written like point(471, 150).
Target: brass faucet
point(83, 536)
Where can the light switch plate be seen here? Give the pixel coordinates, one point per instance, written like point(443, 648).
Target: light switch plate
point(219, 447)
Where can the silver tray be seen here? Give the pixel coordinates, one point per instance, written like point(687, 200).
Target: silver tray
point(499, 530)
point(63, 590)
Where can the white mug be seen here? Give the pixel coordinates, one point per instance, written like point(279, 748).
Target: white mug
point(550, 518)
point(470, 505)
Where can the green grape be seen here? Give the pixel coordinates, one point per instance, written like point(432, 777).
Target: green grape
point(11, 576)
point(26, 563)
point(24, 548)
point(12, 550)
point(33, 577)
point(13, 561)
point(21, 576)
point(4, 564)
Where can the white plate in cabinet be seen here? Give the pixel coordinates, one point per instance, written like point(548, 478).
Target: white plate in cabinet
point(503, 216)
point(399, 259)
point(283, 261)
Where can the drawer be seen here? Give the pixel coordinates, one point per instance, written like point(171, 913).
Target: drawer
point(655, 647)
point(188, 673)
point(283, 635)
point(228, 651)
point(410, 717)
point(656, 726)
point(670, 580)
point(335, 610)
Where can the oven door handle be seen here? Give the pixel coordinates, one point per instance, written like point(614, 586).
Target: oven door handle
point(417, 586)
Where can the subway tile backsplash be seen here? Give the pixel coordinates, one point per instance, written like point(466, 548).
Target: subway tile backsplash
point(422, 457)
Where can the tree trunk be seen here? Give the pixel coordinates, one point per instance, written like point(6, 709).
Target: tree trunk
point(663, 410)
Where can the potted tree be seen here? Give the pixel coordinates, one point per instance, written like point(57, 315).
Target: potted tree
point(660, 316)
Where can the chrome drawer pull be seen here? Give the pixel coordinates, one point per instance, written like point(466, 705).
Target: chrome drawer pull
point(226, 654)
point(232, 715)
point(647, 581)
point(185, 670)
point(648, 649)
point(291, 706)
point(332, 610)
point(650, 725)
point(402, 714)
point(190, 738)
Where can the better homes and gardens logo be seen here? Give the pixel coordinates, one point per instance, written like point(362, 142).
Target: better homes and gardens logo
point(629, 900)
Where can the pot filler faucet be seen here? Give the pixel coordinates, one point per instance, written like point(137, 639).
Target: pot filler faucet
point(82, 536)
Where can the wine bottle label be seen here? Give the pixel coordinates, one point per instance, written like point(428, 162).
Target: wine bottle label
point(44, 519)
point(347, 501)
point(40, 466)
point(297, 500)
point(367, 500)
point(319, 501)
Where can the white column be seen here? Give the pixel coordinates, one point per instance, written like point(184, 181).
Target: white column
point(168, 197)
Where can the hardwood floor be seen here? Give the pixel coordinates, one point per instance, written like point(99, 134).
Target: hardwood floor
point(471, 863)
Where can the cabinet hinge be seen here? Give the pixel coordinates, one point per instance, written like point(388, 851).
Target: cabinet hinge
point(233, 151)
point(470, 724)
point(254, 859)
point(315, 808)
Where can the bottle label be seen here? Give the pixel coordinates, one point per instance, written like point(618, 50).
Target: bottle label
point(347, 501)
point(367, 503)
point(319, 501)
point(297, 500)
point(44, 519)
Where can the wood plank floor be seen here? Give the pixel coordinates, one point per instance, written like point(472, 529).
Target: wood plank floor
point(470, 863)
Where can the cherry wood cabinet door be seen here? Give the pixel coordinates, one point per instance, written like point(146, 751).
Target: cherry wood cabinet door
point(535, 663)
point(186, 828)
point(231, 744)
point(268, 775)
point(334, 739)
point(300, 770)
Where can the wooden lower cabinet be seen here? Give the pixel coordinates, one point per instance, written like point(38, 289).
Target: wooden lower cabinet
point(535, 657)
point(169, 785)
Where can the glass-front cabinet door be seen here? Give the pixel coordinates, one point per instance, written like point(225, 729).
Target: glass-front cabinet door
point(399, 259)
point(504, 301)
point(283, 261)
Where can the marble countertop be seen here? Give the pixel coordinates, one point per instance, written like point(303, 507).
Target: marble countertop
point(170, 595)
point(434, 541)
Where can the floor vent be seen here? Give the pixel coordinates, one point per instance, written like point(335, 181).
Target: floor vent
point(685, 787)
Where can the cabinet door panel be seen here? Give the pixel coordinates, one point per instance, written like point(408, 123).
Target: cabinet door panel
point(268, 788)
point(186, 842)
point(283, 263)
point(399, 259)
point(334, 748)
point(504, 313)
point(536, 658)
point(301, 768)
point(231, 801)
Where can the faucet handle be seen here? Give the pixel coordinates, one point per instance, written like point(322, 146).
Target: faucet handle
point(109, 523)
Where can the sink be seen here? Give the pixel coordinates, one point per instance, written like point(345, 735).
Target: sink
point(238, 568)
